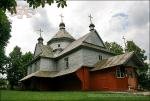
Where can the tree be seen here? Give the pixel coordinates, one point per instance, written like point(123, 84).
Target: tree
point(131, 46)
point(37, 3)
point(5, 29)
point(114, 47)
point(9, 5)
point(3, 83)
point(3, 61)
point(16, 68)
point(13, 70)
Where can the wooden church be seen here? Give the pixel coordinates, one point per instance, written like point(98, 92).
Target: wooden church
point(66, 63)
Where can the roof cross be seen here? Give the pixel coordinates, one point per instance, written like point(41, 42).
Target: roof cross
point(61, 17)
point(124, 39)
point(40, 30)
point(90, 18)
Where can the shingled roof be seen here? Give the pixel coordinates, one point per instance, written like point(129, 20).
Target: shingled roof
point(115, 61)
point(45, 51)
point(50, 74)
point(62, 34)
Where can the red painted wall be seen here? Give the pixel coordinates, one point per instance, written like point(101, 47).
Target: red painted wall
point(83, 75)
point(106, 80)
point(83, 79)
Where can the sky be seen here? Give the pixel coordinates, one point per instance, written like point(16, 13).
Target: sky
point(112, 19)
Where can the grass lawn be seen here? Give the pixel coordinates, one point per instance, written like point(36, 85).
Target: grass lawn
point(8, 95)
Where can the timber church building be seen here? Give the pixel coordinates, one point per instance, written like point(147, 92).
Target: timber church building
point(66, 63)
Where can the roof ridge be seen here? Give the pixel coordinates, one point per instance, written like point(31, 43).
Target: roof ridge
point(74, 44)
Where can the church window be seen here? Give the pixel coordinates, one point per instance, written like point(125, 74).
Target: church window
point(66, 62)
point(100, 57)
point(120, 72)
point(58, 45)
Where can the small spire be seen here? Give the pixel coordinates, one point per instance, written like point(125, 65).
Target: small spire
point(90, 16)
point(61, 17)
point(40, 30)
point(40, 39)
point(91, 24)
point(124, 39)
point(61, 25)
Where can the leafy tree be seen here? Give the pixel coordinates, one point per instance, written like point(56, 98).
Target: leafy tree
point(131, 46)
point(13, 70)
point(3, 61)
point(16, 68)
point(3, 83)
point(37, 3)
point(114, 47)
point(9, 5)
point(5, 29)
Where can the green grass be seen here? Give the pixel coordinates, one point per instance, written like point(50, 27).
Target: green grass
point(7, 95)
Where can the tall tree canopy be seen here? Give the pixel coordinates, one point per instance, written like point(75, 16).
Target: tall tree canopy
point(37, 3)
point(5, 29)
point(16, 68)
point(114, 47)
point(13, 70)
point(131, 46)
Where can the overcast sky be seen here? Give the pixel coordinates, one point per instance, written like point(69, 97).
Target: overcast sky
point(113, 20)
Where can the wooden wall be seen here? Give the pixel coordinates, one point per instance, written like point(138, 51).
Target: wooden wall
point(106, 80)
point(83, 75)
point(83, 79)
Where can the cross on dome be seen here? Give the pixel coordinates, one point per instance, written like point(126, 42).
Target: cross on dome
point(61, 17)
point(40, 30)
point(91, 25)
point(124, 39)
point(90, 16)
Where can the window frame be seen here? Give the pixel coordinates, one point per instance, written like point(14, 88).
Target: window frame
point(100, 57)
point(120, 72)
point(58, 45)
point(66, 59)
